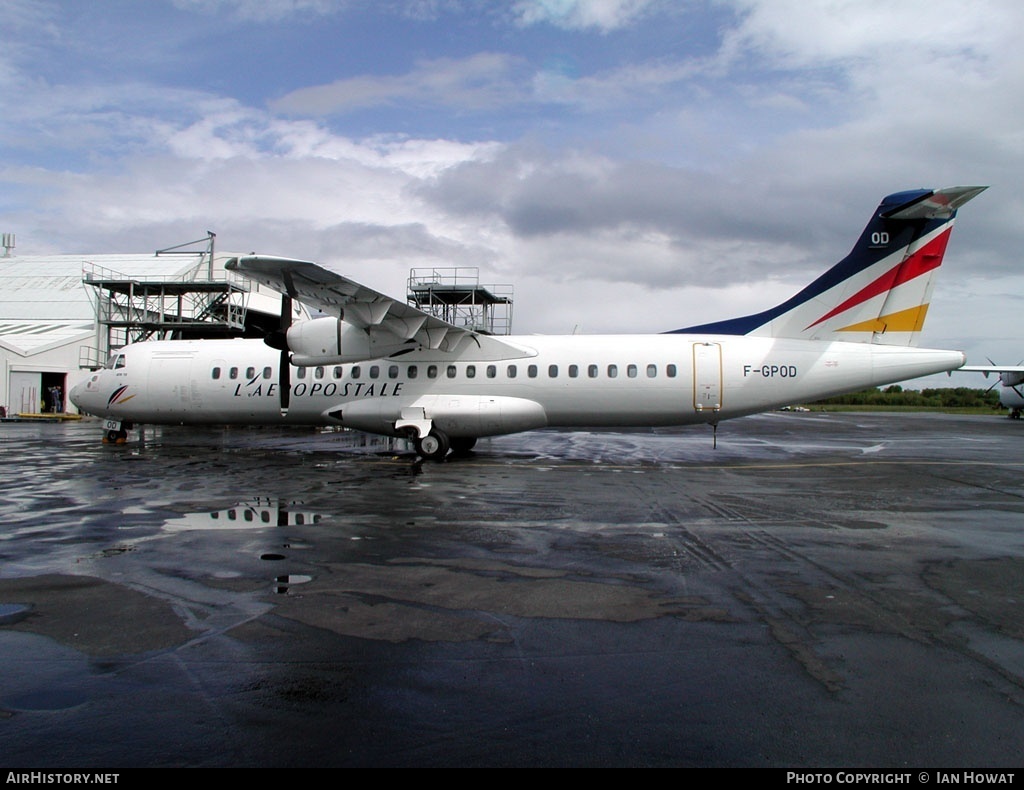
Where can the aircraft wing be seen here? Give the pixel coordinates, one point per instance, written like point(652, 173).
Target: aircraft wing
point(353, 303)
point(1009, 375)
point(986, 369)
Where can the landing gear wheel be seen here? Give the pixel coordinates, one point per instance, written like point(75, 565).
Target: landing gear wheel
point(461, 445)
point(116, 437)
point(433, 446)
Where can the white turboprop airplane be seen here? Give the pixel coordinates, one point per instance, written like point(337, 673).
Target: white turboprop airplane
point(381, 366)
point(1011, 377)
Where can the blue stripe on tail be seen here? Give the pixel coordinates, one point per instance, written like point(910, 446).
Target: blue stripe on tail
point(865, 253)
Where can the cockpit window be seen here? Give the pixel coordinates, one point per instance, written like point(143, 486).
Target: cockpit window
point(116, 362)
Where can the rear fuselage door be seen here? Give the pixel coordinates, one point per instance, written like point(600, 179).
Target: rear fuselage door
point(707, 377)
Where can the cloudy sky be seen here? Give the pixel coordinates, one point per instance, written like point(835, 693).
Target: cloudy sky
point(629, 165)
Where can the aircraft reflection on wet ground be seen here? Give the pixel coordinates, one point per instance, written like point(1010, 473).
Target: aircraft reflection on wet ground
point(255, 512)
point(268, 597)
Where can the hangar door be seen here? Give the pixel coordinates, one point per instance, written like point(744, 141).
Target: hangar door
point(35, 392)
point(26, 392)
point(707, 376)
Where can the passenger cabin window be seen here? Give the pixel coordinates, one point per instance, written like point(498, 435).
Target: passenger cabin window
point(451, 371)
point(470, 371)
point(492, 371)
point(670, 371)
point(250, 373)
point(356, 371)
point(374, 371)
point(613, 371)
point(233, 373)
point(215, 374)
point(574, 371)
point(338, 371)
point(300, 373)
point(268, 372)
point(512, 371)
point(319, 372)
point(431, 371)
point(592, 371)
point(412, 372)
point(552, 371)
point(652, 371)
point(392, 371)
point(631, 371)
point(531, 371)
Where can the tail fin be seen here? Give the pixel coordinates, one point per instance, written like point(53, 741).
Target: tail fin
point(879, 293)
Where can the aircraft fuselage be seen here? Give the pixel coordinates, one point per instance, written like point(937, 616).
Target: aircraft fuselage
point(558, 381)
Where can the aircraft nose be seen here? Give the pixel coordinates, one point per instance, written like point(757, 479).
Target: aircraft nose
point(80, 395)
point(76, 394)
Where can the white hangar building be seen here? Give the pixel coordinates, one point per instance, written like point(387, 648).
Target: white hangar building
point(60, 315)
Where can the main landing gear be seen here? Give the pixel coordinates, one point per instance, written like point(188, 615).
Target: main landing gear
point(436, 444)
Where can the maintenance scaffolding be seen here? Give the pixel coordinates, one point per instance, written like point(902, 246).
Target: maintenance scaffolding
point(200, 302)
point(456, 296)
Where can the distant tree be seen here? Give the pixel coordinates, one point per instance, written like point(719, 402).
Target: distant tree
point(895, 395)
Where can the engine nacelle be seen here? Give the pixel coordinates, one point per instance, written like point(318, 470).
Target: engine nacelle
point(329, 341)
point(1011, 379)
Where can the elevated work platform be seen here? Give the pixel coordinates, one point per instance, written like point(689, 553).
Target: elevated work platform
point(455, 295)
point(198, 302)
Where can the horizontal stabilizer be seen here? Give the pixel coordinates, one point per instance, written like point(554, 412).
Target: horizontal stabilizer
point(941, 203)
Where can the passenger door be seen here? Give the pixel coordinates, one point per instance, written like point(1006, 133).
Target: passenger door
point(707, 377)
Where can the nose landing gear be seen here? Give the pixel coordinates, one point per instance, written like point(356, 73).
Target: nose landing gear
point(115, 437)
point(116, 432)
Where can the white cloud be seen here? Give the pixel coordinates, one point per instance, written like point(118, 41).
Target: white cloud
point(487, 82)
point(797, 34)
point(483, 80)
point(604, 15)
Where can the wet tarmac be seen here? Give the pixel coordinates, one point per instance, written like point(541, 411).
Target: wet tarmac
point(821, 590)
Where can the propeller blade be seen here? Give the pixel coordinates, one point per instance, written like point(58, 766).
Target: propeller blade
point(286, 314)
point(277, 339)
point(284, 383)
point(280, 341)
